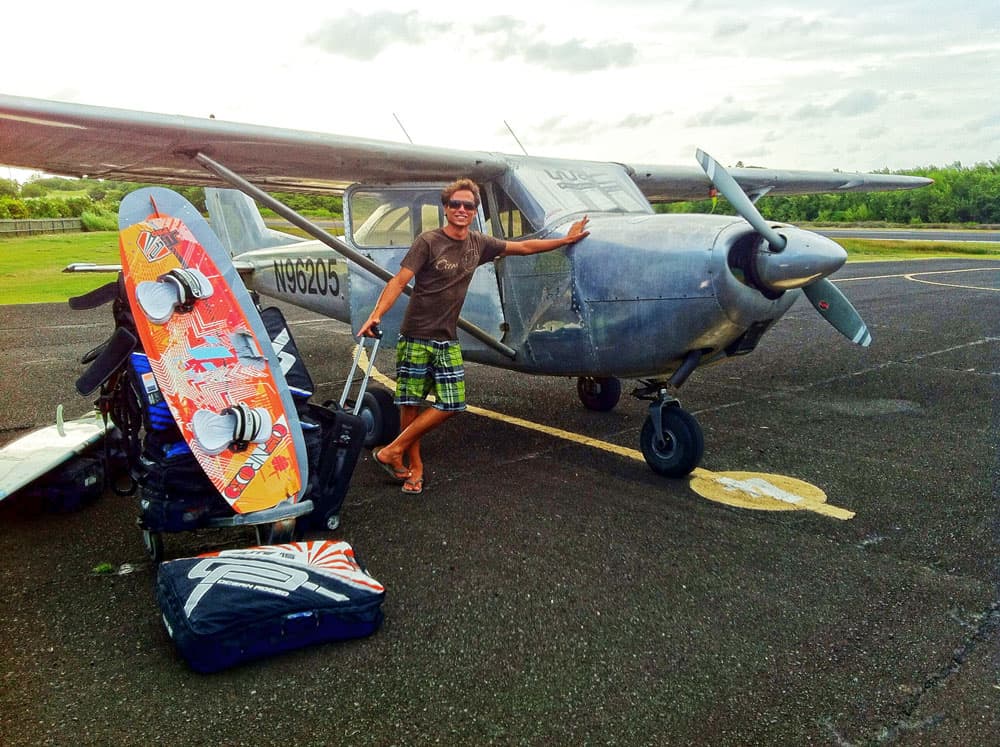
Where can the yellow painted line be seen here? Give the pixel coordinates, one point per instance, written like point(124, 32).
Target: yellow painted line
point(753, 490)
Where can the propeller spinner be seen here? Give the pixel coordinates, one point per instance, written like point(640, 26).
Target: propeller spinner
point(791, 257)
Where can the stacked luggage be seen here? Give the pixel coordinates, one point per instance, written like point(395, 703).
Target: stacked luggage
point(229, 607)
point(174, 493)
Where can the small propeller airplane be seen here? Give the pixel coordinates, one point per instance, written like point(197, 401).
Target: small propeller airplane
point(648, 297)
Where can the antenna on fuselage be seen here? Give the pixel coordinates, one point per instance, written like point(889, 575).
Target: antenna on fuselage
point(511, 131)
point(402, 128)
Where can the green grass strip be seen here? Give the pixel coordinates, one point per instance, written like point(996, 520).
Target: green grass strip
point(31, 267)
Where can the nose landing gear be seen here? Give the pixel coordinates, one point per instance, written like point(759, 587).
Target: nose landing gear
point(671, 439)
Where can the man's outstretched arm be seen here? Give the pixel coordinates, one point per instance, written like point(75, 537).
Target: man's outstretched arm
point(535, 246)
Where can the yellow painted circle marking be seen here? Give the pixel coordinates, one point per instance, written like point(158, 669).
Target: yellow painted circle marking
point(754, 490)
point(763, 492)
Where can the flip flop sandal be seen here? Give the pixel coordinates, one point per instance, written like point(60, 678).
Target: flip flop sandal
point(390, 470)
point(418, 482)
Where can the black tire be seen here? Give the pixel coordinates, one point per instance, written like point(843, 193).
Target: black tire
point(153, 542)
point(381, 416)
point(682, 446)
point(599, 393)
point(276, 533)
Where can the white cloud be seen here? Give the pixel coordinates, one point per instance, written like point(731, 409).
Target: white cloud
point(364, 37)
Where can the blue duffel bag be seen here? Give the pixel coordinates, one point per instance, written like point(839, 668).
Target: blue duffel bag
point(233, 606)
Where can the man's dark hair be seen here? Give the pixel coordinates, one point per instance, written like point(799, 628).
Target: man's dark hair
point(457, 185)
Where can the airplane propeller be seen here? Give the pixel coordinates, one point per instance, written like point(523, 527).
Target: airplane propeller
point(792, 258)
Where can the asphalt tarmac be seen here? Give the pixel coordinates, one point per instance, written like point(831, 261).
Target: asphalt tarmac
point(546, 591)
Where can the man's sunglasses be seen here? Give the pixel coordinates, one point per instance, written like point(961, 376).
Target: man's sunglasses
point(456, 204)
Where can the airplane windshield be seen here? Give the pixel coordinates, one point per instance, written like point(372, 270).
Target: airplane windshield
point(547, 191)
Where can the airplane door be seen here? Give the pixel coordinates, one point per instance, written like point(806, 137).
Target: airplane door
point(381, 223)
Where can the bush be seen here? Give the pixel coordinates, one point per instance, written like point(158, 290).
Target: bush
point(33, 189)
point(78, 206)
point(13, 208)
point(45, 207)
point(98, 221)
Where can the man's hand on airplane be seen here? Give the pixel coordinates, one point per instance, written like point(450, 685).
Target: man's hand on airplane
point(577, 232)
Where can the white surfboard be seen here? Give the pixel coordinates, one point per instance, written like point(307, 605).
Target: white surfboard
point(37, 453)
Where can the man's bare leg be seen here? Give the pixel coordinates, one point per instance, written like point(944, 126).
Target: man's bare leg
point(407, 414)
point(425, 420)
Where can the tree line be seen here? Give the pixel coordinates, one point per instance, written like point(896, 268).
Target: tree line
point(960, 195)
point(96, 201)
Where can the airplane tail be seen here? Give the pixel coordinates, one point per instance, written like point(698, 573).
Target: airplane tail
point(238, 223)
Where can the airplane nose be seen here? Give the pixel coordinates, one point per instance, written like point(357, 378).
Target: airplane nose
point(805, 258)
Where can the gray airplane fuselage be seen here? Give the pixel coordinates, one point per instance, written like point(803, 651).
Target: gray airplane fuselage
point(632, 300)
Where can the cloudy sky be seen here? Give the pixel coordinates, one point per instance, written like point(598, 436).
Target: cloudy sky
point(849, 84)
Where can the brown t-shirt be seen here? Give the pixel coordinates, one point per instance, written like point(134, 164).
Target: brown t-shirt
point(442, 269)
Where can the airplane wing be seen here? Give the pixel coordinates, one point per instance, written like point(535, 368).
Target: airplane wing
point(674, 183)
point(105, 143)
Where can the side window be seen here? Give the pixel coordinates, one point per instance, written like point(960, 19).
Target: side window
point(393, 217)
point(507, 221)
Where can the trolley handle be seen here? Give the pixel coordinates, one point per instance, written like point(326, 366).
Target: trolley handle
point(362, 341)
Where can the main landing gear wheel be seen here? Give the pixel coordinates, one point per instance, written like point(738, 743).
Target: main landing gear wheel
point(381, 417)
point(598, 392)
point(681, 448)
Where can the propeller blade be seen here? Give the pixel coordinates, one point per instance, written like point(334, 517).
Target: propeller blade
point(833, 306)
point(732, 191)
point(811, 258)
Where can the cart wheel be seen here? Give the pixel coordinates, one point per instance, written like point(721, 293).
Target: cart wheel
point(153, 542)
point(278, 533)
point(380, 415)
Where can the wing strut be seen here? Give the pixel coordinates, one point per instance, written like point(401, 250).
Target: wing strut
point(338, 246)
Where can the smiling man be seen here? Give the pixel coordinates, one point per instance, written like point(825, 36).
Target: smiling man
point(428, 357)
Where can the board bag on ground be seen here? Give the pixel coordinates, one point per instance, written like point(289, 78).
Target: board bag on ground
point(222, 609)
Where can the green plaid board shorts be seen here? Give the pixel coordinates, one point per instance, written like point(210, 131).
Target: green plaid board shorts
point(422, 365)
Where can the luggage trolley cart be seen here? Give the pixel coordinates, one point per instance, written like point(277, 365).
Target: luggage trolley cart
point(273, 526)
point(344, 433)
point(375, 406)
point(148, 438)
